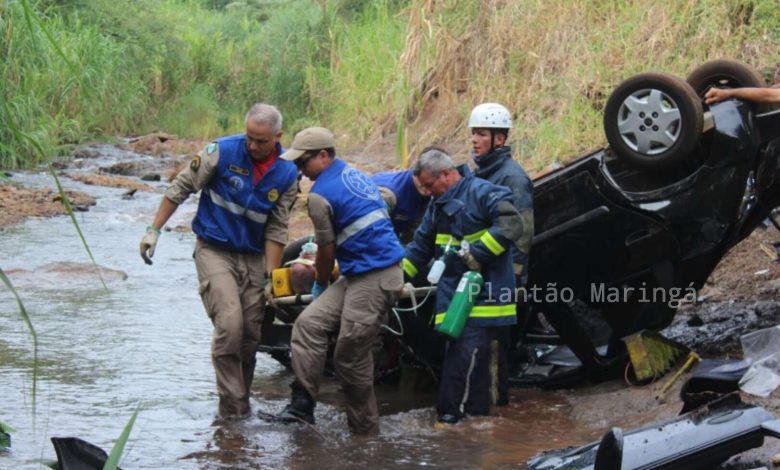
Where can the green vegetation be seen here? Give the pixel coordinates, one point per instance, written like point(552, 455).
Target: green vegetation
point(5, 436)
point(368, 70)
point(119, 446)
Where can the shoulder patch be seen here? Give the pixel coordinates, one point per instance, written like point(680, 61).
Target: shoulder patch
point(238, 169)
point(273, 195)
point(211, 148)
point(195, 163)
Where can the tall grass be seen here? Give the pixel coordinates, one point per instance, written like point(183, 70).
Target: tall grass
point(61, 93)
point(148, 64)
point(555, 62)
point(364, 69)
point(360, 88)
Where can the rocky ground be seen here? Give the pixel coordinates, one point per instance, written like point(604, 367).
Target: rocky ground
point(740, 296)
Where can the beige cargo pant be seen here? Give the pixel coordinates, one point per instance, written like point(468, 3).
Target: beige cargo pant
point(231, 287)
point(355, 307)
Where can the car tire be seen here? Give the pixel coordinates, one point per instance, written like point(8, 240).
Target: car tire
point(723, 73)
point(653, 121)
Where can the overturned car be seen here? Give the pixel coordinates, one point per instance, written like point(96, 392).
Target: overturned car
point(622, 235)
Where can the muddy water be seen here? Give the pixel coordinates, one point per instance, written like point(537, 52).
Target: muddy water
point(144, 342)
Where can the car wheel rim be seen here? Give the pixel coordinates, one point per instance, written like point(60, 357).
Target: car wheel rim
point(649, 122)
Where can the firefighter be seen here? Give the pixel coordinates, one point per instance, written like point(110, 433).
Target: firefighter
point(241, 225)
point(466, 208)
point(490, 124)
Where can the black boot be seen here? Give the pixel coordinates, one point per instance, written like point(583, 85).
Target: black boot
point(301, 407)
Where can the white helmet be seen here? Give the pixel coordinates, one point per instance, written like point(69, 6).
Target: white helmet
point(490, 116)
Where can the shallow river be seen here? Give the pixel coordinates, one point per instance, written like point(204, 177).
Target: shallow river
point(144, 342)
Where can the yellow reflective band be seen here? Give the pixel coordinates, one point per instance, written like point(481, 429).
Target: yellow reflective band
point(475, 236)
point(484, 311)
point(492, 244)
point(409, 268)
point(444, 238)
point(493, 311)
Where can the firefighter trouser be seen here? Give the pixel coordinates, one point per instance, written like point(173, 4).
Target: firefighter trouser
point(465, 377)
point(355, 307)
point(503, 336)
point(505, 345)
point(231, 287)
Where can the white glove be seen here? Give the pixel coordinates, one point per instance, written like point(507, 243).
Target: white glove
point(149, 243)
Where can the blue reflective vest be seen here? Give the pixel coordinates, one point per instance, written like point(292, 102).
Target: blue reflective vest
point(410, 204)
point(365, 240)
point(232, 211)
point(469, 211)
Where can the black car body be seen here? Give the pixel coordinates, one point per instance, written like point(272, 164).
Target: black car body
point(629, 245)
point(616, 248)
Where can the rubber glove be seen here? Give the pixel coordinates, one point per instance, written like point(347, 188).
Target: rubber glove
point(317, 289)
point(149, 243)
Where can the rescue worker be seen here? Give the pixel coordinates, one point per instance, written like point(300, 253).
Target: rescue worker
point(405, 199)
point(466, 208)
point(490, 124)
point(241, 228)
point(351, 225)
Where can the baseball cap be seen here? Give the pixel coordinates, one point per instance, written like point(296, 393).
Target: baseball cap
point(311, 138)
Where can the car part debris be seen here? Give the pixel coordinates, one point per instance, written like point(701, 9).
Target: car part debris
point(77, 454)
point(651, 354)
point(700, 439)
point(693, 358)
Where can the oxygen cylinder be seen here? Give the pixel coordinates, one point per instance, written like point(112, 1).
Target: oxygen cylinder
point(458, 311)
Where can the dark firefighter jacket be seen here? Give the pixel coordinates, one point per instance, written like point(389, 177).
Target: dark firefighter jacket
point(499, 168)
point(482, 214)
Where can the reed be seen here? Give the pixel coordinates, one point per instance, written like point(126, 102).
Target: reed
point(112, 462)
point(33, 334)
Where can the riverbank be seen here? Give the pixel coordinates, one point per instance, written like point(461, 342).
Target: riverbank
point(739, 297)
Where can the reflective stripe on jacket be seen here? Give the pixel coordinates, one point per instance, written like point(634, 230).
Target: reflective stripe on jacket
point(232, 212)
point(481, 213)
point(365, 240)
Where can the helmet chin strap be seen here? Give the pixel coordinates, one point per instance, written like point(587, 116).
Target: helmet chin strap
point(492, 140)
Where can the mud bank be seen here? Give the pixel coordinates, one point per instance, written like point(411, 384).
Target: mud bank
point(18, 203)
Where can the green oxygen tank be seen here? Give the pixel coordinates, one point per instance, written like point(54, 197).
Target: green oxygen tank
point(458, 311)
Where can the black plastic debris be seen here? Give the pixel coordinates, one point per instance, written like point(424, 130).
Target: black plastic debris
point(711, 380)
point(77, 454)
point(703, 438)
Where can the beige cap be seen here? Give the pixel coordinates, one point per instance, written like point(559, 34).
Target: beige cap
point(311, 138)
